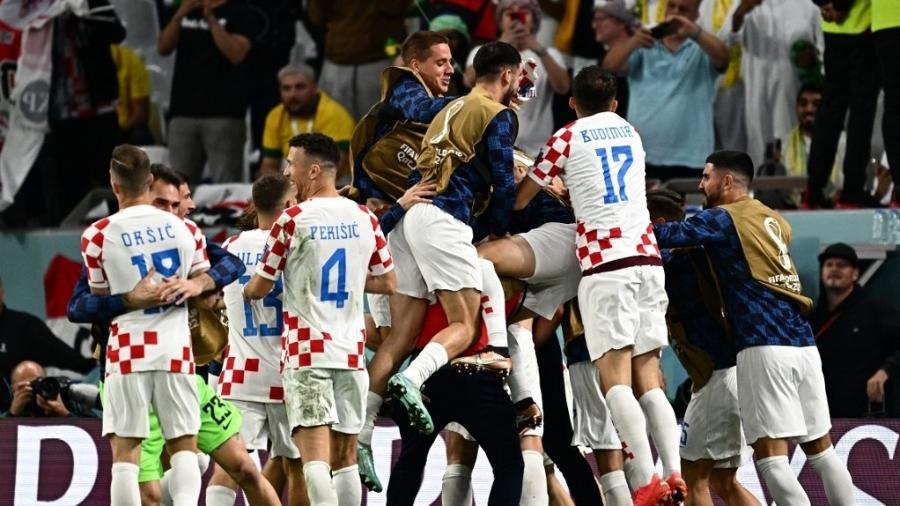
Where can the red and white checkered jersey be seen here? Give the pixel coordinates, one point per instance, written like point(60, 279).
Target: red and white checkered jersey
point(120, 250)
point(324, 248)
point(600, 158)
point(251, 369)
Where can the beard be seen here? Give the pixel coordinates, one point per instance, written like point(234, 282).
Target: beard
point(297, 108)
point(508, 96)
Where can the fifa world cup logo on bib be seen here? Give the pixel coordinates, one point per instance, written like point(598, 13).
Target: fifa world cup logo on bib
point(774, 230)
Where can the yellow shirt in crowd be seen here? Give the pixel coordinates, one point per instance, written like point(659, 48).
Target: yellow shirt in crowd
point(331, 119)
point(134, 81)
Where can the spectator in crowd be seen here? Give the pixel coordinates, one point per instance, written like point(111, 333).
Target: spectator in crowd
point(858, 337)
point(728, 106)
point(81, 114)
point(356, 39)
point(133, 106)
point(794, 151)
point(209, 86)
point(672, 84)
point(779, 41)
point(27, 402)
point(614, 23)
point(25, 337)
point(851, 82)
point(519, 21)
point(304, 109)
point(886, 30)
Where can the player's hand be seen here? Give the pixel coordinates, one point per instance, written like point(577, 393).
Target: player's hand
point(145, 294)
point(22, 397)
point(177, 290)
point(212, 302)
point(641, 38)
point(875, 386)
point(53, 407)
point(558, 188)
point(419, 193)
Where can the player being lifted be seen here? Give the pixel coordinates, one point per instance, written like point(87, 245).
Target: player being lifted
point(149, 357)
point(468, 152)
point(328, 251)
point(621, 296)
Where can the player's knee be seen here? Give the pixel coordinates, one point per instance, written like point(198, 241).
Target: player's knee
point(723, 481)
point(243, 471)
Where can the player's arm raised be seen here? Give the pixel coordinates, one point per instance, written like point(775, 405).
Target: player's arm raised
point(549, 164)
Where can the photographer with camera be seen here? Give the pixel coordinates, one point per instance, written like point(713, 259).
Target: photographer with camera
point(37, 395)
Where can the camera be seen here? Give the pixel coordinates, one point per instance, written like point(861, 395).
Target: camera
point(50, 387)
point(663, 30)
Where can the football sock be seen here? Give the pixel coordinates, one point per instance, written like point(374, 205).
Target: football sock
point(663, 428)
point(432, 358)
point(835, 477)
point(348, 486)
point(456, 486)
point(781, 482)
point(123, 489)
point(628, 419)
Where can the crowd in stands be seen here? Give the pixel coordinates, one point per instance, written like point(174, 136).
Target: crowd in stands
point(795, 83)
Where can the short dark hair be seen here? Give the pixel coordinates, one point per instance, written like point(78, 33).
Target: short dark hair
point(269, 191)
point(734, 161)
point(164, 173)
point(594, 89)
point(809, 88)
point(495, 57)
point(131, 167)
point(665, 203)
point(317, 146)
point(418, 45)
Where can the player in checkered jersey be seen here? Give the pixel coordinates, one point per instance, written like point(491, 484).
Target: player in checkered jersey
point(622, 295)
point(149, 357)
point(329, 251)
point(251, 373)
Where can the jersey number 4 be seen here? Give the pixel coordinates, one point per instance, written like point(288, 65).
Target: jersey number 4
point(618, 154)
point(337, 260)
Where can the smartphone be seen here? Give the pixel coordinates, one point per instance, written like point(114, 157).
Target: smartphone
point(664, 29)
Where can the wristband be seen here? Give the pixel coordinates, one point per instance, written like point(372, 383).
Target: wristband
point(697, 32)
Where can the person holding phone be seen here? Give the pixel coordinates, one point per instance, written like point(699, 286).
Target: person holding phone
point(519, 21)
point(672, 73)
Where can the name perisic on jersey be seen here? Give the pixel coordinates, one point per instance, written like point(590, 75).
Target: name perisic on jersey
point(604, 134)
point(149, 235)
point(334, 232)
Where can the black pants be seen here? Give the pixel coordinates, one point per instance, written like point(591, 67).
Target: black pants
point(851, 81)
point(558, 428)
point(477, 402)
point(887, 45)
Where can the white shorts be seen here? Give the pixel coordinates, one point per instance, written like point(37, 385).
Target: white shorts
point(335, 397)
point(781, 391)
point(712, 423)
point(379, 308)
point(433, 251)
point(459, 429)
point(556, 270)
point(591, 424)
point(264, 422)
point(129, 397)
point(625, 307)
